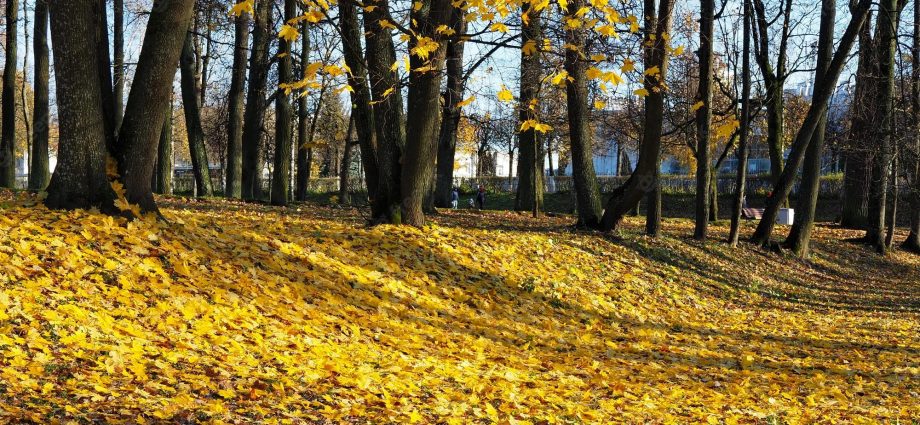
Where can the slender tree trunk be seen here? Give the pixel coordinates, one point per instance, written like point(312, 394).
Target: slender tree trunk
point(164, 155)
point(233, 188)
point(912, 243)
point(714, 196)
point(118, 60)
point(27, 123)
point(79, 179)
point(283, 141)
point(423, 106)
point(150, 91)
point(360, 96)
point(451, 113)
point(254, 114)
point(388, 116)
point(345, 171)
point(704, 119)
point(302, 179)
point(822, 94)
point(800, 234)
point(741, 176)
point(653, 209)
point(8, 137)
point(891, 218)
point(104, 67)
point(192, 110)
point(530, 162)
point(39, 174)
point(775, 110)
point(642, 180)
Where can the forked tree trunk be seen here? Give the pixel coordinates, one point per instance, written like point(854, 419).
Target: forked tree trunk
point(79, 179)
point(254, 114)
point(8, 132)
point(138, 140)
point(233, 187)
point(192, 108)
point(39, 174)
point(283, 142)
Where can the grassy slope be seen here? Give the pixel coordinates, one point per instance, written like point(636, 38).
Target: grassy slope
point(246, 313)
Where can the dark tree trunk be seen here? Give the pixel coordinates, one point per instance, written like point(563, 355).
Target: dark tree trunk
point(362, 113)
point(233, 188)
point(714, 196)
point(164, 155)
point(822, 94)
point(344, 172)
point(192, 110)
point(857, 158)
point(891, 218)
point(800, 234)
point(580, 137)
point(138, 140)
point(8, 138)
point(774, 79)
point(118, 60)
point(302, 179)
point(388, 116)
point(79, 179)
point(39, 174)
point(283, 141)
point(450, 115)
point(104, 66)
point(642, 180)
point(741, 174)
point(653, 207)
point(254, 113)
point(423, 106)
point(530, 162)
point(912, 243)
point(704, 119)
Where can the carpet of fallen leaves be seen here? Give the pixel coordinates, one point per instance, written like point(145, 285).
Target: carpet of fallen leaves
point(243, 313)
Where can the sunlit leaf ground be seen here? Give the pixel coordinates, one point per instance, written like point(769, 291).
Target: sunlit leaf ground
point(247, 314)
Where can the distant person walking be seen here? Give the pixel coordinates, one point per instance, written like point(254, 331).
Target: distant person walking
point(481, 198)
point(454, 198)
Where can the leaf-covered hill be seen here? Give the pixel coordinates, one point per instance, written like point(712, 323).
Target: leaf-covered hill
point(248, 314)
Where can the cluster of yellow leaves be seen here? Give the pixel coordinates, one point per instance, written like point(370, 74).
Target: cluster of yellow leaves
point(246, 314)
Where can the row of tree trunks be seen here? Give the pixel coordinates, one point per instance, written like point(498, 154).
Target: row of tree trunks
point(254, 113)
point(530, 162)
point(39, 173)
point(233, 186)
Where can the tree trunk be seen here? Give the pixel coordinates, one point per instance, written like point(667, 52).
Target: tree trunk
point(891, 218)
point(704, 119)
point(451, 113)
point(822, 94)
point(653, 207)
point(423, 106)
point(741, 174)
point(857, 157)
point(388, 116)
point(233, 187)
point(283, 141)
point(912, 243)
point(164, 155)
point(775, 109)
point(193, 128)
point(156, 68)
point(530, 162)
point(302, 178)
point(642, 180)
point(39, 174)
point(344, 172)
point(104, 67)
point(79, 179)
point(254, 114)
point(118, 61)
point(714, 196)
point(362, 112)
point(8, 138)
point(800, 234)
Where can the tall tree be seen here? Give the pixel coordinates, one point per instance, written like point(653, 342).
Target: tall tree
point(451, 112)
point(8, 121)
point(150, 91)
point(104, 68)
point(704, 118)
point(79, 179)
point(118, 59)
point(822, 92)
point(587, 194)
point(192, 107)
point(800, 234)
point(530, 163)
point(283, 142)
point(643, 178)
point(912, 243)
point(423, 105)
point(233, 187)
point(39, 173)
point(361, 109)
point(254, 114)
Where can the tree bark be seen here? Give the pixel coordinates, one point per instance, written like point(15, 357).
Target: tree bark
point(423, 106)
point(451, 113)
point(118, 60)
point(254, 114)
point(39, 174)
point(704, 119)
point(138, 140)
point(104, 67)
point(822, 94)
point(8, 132)
point(912, 243)
point(344, 172)
point(360, 96)
point(741, 174)
point(800, 234)
point(79, 179)
point(774, 80)
point(233, 188)
point(642, 180)
point(164, 155)
point(283, 142)
point(388, 116)
point(192, 108)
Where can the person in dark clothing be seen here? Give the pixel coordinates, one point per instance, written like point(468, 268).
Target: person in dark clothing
point(481, 198)
point(454, 198)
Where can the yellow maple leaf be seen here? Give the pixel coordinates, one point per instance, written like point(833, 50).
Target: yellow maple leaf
point(505, 95)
